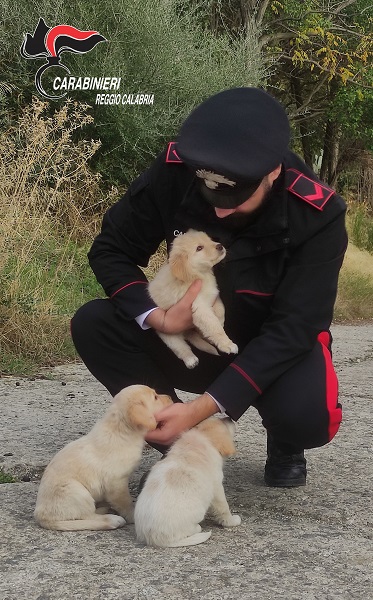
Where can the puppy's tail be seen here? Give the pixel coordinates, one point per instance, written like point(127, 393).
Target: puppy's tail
point(192, 540)
point(93, 523)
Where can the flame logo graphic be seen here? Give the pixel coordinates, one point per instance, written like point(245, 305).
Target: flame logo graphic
point(51, 42)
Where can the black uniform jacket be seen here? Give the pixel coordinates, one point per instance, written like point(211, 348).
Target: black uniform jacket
point(278, 281)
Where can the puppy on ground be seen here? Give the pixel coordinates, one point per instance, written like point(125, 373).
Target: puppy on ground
point(192, 257)
point(90, 475)
point(182, 487)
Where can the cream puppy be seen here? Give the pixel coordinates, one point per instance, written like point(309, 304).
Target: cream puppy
point(93, 471)
point(182, 487)
point(192, 257)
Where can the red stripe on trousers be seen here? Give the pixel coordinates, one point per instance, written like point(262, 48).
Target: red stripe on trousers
point(335, 411)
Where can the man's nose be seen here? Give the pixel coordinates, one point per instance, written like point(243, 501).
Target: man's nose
point(224, 212)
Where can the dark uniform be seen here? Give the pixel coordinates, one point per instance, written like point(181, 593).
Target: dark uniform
point(278, 283)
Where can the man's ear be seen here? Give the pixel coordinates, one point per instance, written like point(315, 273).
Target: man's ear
point(178, 262)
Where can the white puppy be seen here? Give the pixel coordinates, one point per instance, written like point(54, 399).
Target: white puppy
point(93, 471)
point(192, 257)
point(182, 487)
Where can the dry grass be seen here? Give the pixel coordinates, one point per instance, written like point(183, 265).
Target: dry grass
point(44, 173)
point(49, 201)
point(355, 292)
point(156, 261)
point(359, 261)
point(360, 224)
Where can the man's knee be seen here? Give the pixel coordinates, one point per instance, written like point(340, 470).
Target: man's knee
point(301, 408)
point(90, 321)
point(303, 430)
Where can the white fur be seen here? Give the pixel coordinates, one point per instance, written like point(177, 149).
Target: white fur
point(183, 486)
point(90, 475)
point(192, 257)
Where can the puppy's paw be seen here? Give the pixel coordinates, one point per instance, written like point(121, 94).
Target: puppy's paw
point(191, 362)
point(228, 347)
point(116, 521)
point(231, 521)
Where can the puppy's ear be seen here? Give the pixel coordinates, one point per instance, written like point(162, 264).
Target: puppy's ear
point(218, 435)
point(140, 417)
point(226, 446)
point(178, 262)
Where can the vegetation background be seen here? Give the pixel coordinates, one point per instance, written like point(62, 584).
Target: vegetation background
point(62, 163)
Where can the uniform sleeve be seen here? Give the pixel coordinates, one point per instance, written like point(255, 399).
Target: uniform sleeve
point(302, 308)
point(131, 232)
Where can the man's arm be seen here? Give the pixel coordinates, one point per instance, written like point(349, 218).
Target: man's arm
point(303, 307)
point(131, 232)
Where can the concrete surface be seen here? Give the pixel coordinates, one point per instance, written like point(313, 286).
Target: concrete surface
point(311, 543)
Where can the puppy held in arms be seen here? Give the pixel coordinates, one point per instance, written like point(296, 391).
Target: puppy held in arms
point(182, 487)
point(192, 257)
point(89, 476)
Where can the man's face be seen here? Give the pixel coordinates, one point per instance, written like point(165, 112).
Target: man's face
point(245, 213)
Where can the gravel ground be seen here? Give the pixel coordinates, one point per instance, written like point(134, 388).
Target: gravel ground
point(302, 544)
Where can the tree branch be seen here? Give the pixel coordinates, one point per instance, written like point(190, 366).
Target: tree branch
point(342, 6)
point(315, 89)
point(261, 10)
point(331, 73)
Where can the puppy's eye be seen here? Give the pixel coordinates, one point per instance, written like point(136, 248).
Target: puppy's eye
point(199, 248)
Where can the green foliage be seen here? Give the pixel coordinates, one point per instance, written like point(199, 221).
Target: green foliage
point(352, 108)
point(5, 477)
point(360, 225)
point(323, 74)
point(158, 52)
point(155, 47)
point(335, 40)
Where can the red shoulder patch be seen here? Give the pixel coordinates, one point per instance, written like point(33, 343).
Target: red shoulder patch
point(315, 193)
point(172, 156)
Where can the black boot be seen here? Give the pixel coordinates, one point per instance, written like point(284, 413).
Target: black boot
point(285, 466)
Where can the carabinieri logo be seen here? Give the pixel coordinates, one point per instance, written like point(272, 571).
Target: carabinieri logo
point(51, 42)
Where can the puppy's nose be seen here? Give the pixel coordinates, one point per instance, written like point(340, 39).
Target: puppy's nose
point(219, 248)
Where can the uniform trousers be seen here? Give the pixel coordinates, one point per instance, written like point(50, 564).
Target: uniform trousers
point(300, 409)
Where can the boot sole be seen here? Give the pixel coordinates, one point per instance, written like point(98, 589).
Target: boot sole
point(284, 483)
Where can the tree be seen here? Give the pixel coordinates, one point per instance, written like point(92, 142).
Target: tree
point(320, 55)
point(158, 48)
point(324, 49)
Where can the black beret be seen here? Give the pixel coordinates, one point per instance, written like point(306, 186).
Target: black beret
point(232, 140)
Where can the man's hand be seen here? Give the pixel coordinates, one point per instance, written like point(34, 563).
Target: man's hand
point(179, 317)
point(179, 417)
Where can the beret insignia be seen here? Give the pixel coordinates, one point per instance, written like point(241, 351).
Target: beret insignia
point(313, 192)
point(212, 179)
point(172, 156)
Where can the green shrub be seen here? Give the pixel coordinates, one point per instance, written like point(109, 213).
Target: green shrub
point(156, 47)
point(360, 225)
